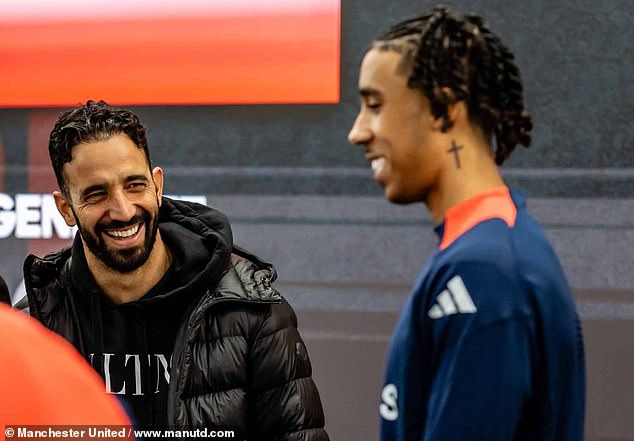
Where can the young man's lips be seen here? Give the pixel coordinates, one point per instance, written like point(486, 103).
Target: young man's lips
point(371, 156)
point(377, 164)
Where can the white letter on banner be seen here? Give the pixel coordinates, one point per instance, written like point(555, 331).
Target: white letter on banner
point(7, 216)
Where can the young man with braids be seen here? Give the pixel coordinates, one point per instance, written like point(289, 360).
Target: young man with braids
point(180, 322)
point(488, 346)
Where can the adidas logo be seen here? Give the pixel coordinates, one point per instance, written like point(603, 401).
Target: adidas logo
point(453, 300)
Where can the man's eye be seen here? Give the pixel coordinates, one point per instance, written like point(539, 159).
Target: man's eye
point(373, 105)
point(137, 186)
point(95, 196)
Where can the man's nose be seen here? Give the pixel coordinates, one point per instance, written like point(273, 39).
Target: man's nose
point(121, 208)
point(359, 134)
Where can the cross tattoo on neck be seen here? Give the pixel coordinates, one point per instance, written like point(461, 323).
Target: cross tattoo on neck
point(454, 149)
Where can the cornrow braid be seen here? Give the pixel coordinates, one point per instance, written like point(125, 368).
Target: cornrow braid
point(453, 57)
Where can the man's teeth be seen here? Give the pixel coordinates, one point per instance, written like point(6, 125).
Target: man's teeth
point(377, 164)
point(125, 233)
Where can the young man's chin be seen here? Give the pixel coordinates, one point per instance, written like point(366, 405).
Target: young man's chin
point(398, 198)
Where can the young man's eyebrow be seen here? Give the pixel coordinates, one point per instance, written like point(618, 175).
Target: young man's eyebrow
point(367, 92)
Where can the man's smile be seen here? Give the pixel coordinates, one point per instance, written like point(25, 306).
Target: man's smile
point(123, 233)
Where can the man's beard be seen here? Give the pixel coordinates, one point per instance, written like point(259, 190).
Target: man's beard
point(123, 260)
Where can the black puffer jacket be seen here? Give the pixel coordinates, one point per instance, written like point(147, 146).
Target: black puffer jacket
point(238, 362)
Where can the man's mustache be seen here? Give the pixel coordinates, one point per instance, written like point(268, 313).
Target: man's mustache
point(118, 225)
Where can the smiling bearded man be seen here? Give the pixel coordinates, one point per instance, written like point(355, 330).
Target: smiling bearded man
point(181, 323)
point(122, 239)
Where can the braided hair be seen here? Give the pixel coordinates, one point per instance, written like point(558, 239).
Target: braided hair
point(445, 49)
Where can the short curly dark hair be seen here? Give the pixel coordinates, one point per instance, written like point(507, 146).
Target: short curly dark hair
point(447, 49)
point(94, 121)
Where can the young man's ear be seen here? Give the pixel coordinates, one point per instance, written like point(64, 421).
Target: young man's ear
point(64, 208)
point(157, 177)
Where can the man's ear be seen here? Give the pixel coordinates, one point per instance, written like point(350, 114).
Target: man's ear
point(64, 208)
point(157, 177)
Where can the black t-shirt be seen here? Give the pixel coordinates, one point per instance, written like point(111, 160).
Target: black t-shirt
point(130, 345)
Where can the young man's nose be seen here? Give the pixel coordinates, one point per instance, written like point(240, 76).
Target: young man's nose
point(359, 133)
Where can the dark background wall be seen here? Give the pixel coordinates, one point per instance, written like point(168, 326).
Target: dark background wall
point(299, 196)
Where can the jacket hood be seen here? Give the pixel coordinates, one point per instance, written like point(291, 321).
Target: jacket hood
point(208, 223)
point(200, 241)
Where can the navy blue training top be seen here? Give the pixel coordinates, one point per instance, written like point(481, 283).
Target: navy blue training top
point(488, 346)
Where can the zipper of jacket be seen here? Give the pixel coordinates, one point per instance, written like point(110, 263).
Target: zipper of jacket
point(176, 382)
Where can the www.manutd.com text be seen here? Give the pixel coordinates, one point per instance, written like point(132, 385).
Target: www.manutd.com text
point(109, 432)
